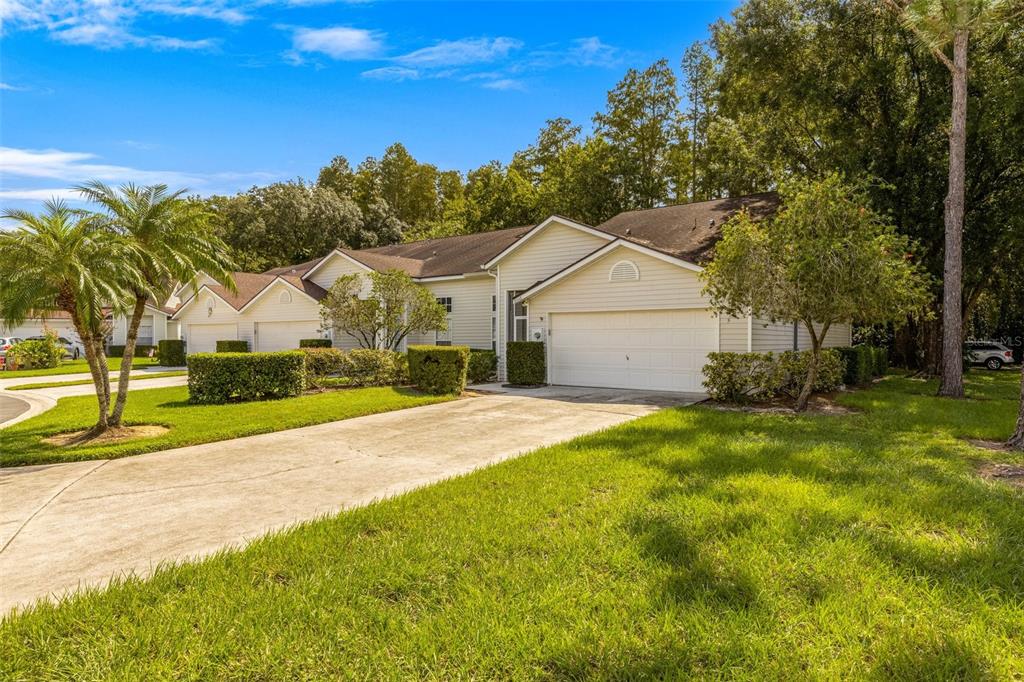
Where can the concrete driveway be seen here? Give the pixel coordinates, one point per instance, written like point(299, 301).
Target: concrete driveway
point(69, 525)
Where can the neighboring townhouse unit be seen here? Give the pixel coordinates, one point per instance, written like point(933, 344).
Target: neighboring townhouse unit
point(617, 305)
point(156, 325)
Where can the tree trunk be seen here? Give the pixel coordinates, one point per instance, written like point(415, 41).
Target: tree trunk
point(812, 367)
point(126, 360)
point(1017, 439)
point(99, 377)
point(952, 385)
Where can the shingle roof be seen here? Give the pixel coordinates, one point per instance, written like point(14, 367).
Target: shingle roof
point(459, 255)
point(687, 231)
point(250, 284)
point(298, 270)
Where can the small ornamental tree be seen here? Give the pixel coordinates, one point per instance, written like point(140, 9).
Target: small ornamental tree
point(394, 307)
point(823, 259)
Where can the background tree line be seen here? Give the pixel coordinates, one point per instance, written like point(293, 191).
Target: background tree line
point(782, 89)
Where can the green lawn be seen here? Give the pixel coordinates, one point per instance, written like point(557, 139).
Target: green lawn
point(76, 367)
point(191, 424)
point(691, 543)
point(82, 382)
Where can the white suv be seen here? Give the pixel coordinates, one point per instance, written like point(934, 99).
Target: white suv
point(989, 353)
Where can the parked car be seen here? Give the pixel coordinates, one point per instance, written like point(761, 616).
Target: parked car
point(989, 353)
point(72, 348)
point(5, 343)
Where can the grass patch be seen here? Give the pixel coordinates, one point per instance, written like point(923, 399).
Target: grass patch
point(190, 424)
point(80, 366)
point(690, 543)
point(82, 382)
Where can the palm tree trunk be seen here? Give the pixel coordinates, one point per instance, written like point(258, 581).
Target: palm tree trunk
point(1017, 439)
point(126, 360)
point(952, 385)
point(98, 371)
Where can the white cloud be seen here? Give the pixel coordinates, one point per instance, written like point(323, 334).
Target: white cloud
point(337, 42)
point(505, 84)
point(57, 170)
point(12, 88)
point(392, 73)
point(592, 52)
point(461, 52)
point(110, 24)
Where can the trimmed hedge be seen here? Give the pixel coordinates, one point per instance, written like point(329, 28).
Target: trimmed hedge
point(375, 367)
point(222, 377)
point(743, 377)
point(314, 343)
point(141, 350)
point(483, 365)
point(45, 353)
point(171, 352)
point(232, 346)
point(861, 363)
point(321, 363)
point(525, 364)
point(439, 369)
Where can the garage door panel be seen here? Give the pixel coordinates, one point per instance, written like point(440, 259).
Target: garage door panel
point(643, 349)
point(273, 336)
point(203, 338)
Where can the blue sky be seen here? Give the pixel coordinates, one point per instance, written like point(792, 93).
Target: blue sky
point(218, 95)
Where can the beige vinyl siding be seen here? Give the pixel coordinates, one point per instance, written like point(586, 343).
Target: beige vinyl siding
point(269, 308)
point(771, 336)
point(223, 313)
point(733, 334)
point(470, 319)
point(838, 335)
point(336, 266)
point(162, 328)
point(661, 286)
point(555, 247)
point(779, 337)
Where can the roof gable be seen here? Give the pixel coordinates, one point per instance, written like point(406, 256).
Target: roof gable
point(539, 228)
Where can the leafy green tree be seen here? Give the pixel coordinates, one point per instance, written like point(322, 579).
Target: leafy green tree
point(499, 197)
point(699, 83)
point(382, 317)
point(173, 243)
point(65, 259)
point(939, 25)
point(409, 187)
point(642, 124)
point(824, 258)
point(338, 176)
point(288, 222)
point(828, 85)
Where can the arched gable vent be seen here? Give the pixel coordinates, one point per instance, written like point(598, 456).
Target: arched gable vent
point(624, 271)
point(285, 297)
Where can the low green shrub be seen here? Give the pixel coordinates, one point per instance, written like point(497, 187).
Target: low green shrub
point(741, 377)
point(524, 363)
point(793, 372)
point(232, 346)
point(222, 377)
point(439, 369)
point(483, 365)
point(142, 350)
point(314, 343)
point(320, 364)
point(863, 362)
point(745, 377)
point(35, 354)
point(375, 367)
point(171, 352)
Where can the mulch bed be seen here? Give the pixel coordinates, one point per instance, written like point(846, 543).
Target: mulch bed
point(77, 438)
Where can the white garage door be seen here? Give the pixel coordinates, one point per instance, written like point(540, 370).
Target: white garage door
point(285, 335)
point(654, 350)
point(203, 338)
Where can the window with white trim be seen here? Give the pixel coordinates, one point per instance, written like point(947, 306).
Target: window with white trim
point(446, 303)
point(624, 271)
point(494, 323)
point(518, 318)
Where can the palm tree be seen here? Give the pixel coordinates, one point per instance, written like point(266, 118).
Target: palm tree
point(173, 243)
point(64, 259)
point(939, 24)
